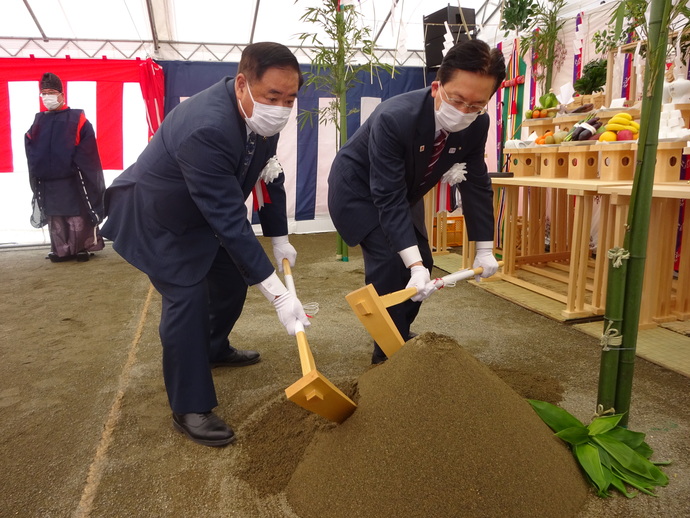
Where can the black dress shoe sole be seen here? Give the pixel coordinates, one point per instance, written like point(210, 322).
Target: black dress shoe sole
point(378, 360)
point(219, 442)
point(236, 364)
point(54, 258)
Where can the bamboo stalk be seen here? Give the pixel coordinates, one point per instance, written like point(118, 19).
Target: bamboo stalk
point(641, 200)
point(341, 88)
point(613, 324)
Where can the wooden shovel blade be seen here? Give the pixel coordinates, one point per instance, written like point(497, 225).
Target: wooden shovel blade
point(315, 393)
point(372, 313)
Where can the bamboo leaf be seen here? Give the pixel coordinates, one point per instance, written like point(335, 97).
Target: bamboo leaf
point(632, 439)
point(588, 457)
point(620, 486)
point(630, 459)
point(555, 417)
point(633, 480)
point(574, 435)
point(644, 450)
point(603, 424)
point(618, 18)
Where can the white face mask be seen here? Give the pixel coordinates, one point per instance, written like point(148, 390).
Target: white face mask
point(266, 119)
point(452, 119)
point(50, 101)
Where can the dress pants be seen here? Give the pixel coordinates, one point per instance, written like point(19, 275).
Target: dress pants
point(385, 270)
point(195, 323)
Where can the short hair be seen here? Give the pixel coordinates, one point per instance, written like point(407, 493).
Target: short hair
point(473, 56)
point(259, 57)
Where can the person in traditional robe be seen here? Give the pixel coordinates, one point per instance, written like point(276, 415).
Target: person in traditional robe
point(66, 176)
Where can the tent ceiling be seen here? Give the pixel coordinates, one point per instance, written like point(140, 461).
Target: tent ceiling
point(214, 30)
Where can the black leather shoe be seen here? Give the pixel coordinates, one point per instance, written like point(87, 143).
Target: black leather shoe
point(83, 256)
point(237, 358)
point(377, 359)
point(207, 428)
point(54, 258)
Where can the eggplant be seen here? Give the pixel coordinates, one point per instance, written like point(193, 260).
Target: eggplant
point(587, 130)
point(583, 109)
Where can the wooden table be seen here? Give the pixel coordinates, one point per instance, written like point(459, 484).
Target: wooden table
point(660, 301)
point(571, 219)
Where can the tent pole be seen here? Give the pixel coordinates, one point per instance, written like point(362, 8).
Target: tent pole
point(38, 25)
point(388, 17)
point(256, 15)
point(152, 22)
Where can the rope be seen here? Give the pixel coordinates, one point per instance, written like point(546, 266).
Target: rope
point(617, 254)
point(601, 412)
point(612, 339)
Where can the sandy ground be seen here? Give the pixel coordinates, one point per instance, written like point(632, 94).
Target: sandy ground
point(86, 426)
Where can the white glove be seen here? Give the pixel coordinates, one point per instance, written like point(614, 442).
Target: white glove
point(419, 278)
point(290, 311)
point(485, 259)
point(456, 174)
point(287, 306)
point(282, 249)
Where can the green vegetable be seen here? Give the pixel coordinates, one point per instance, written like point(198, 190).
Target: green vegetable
point(610, 456)
point(548, 100)
point(593, 77)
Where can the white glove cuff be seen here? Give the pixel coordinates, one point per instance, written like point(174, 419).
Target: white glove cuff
point(410, 255)
point(279, 240)
point(272, 287)
point(484, 248)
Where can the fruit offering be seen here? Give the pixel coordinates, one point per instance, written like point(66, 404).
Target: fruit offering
point(551, 137)
point(622, 126)
point(540, 113)
point(547, 107)
point(586, 129)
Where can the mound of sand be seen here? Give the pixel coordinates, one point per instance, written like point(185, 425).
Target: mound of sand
point(436, 433)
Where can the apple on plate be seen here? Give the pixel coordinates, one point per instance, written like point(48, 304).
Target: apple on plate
point(624, 135)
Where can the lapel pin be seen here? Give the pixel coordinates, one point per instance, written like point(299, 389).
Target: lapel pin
point(451, 150)
point(421, 149)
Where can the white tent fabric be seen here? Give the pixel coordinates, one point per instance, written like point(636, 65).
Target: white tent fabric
point(206, 29)
point(215, 30)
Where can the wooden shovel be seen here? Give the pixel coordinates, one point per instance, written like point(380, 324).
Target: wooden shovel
point(313, 391)
point(371, 310)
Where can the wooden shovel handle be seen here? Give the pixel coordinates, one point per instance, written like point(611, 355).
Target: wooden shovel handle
point(306, 358)
point(286, 266)
point(402, 295)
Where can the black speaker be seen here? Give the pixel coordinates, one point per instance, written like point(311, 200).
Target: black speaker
point(435, 31)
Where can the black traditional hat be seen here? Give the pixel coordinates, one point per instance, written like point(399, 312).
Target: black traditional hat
point(50, 81)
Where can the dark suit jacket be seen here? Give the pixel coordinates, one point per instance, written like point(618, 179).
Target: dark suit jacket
point(185, 195)
point(376, 178)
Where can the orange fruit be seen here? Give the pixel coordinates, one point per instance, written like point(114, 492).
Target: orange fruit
point(608, 136)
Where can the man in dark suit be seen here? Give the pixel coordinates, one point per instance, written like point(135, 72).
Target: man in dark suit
point(179, 215)
point(379, 177)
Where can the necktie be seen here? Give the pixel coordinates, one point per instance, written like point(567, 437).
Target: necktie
point(439, 144)
point(249, 153)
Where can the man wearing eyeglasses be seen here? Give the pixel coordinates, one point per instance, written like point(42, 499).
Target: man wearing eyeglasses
point(380, 176)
